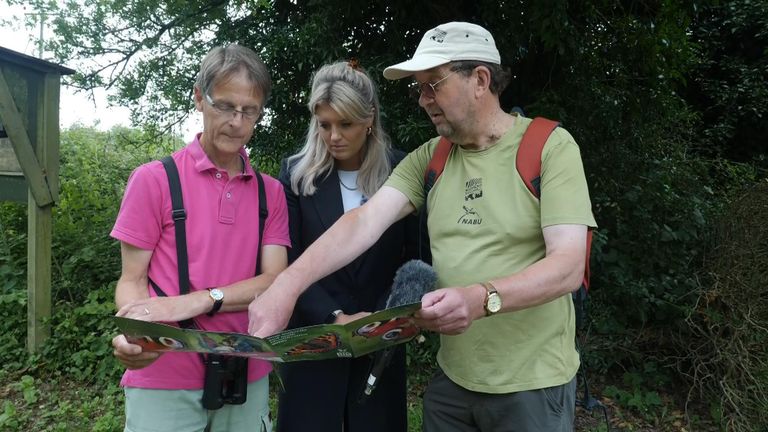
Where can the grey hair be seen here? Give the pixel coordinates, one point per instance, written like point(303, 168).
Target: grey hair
point(499, 76)
point(222, 63)
point(351, 93)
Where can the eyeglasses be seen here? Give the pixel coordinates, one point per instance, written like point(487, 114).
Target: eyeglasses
point(426, 89)
point(249, 113)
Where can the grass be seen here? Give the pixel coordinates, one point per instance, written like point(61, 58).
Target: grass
point(59, 404)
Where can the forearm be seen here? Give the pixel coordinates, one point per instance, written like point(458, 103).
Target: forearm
point(129, 290)
point(542, 282)
point(239, 295)
point(452, 310)
point(352, 234)
point(560, 272)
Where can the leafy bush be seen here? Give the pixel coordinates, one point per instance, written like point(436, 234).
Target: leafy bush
point(13, 246)
point(13, 316)
point(724, 351)
point(94, 169)
point(731, 80)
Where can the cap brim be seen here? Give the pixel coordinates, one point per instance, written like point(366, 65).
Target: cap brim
point(416, 64)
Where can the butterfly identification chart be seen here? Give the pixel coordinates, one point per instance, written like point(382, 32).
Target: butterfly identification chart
point(374, 332)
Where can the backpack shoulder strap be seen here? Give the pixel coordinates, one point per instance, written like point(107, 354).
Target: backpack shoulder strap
point(179, 215)
point(436, 164)
point(263, 213)
point(528, 165)
point(528, 160)
point(431, 174)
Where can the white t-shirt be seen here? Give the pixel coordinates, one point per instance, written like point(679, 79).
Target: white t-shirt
point(350, 193)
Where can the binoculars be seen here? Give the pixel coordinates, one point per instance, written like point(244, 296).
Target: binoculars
point(226, 381)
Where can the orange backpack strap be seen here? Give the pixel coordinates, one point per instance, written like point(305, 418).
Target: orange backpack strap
point(436, 164)
point(528, 160)
point(528, 164)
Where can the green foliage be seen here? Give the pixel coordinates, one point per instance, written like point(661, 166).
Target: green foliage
point(27, 387)
point(659, 221)
point(653, 199)
point(8, 417)
point(636, 399)
point(94, 169)
point(640, 390)
point(731, 80)
point(421, 358)
point(13, 246)
point(83, 334)
point(80, 346)
point(88, 408)
point(14, 328)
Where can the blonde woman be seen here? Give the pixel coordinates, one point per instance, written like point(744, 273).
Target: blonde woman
point(345, 159)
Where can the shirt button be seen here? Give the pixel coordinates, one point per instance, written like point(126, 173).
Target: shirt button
point(218, 175)
point(229, 195)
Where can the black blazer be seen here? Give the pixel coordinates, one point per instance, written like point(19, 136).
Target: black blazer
point(362, 285)
point(319, 395)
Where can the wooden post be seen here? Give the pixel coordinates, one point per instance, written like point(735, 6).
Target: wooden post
point(40, 220)
point(38, 274)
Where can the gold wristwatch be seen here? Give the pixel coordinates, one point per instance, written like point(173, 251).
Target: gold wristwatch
point(492, 302)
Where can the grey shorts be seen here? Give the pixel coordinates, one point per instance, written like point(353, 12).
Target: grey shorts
point(149, 410)
point(449, 407)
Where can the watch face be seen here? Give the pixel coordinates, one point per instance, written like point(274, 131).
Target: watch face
point(494, 303)
point(217, 294)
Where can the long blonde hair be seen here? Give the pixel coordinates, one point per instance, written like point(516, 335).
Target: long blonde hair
point(349, 91)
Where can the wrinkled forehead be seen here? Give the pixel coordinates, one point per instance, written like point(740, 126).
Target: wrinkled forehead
point(236, 84)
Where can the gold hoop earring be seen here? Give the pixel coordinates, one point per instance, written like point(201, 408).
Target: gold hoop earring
point(369, 131)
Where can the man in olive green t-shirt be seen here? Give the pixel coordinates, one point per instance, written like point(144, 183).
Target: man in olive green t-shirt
point(506, 262)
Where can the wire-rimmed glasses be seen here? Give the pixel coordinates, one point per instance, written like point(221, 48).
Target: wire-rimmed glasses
point(427, 89)
point(248, 113)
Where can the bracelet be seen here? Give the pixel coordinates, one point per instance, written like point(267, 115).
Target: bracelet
point(333, 315)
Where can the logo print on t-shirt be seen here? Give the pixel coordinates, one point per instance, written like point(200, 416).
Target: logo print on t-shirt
point(470, 217)
point(473, 189)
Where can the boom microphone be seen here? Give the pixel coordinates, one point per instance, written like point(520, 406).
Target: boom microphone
point(412, 280)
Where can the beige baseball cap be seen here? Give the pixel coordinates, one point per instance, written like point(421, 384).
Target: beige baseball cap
point(446, 43)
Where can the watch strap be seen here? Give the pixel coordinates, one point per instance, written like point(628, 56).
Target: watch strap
point(216, 304)
point(489, 291)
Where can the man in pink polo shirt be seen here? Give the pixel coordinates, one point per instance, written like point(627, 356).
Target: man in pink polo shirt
point(220, 195)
